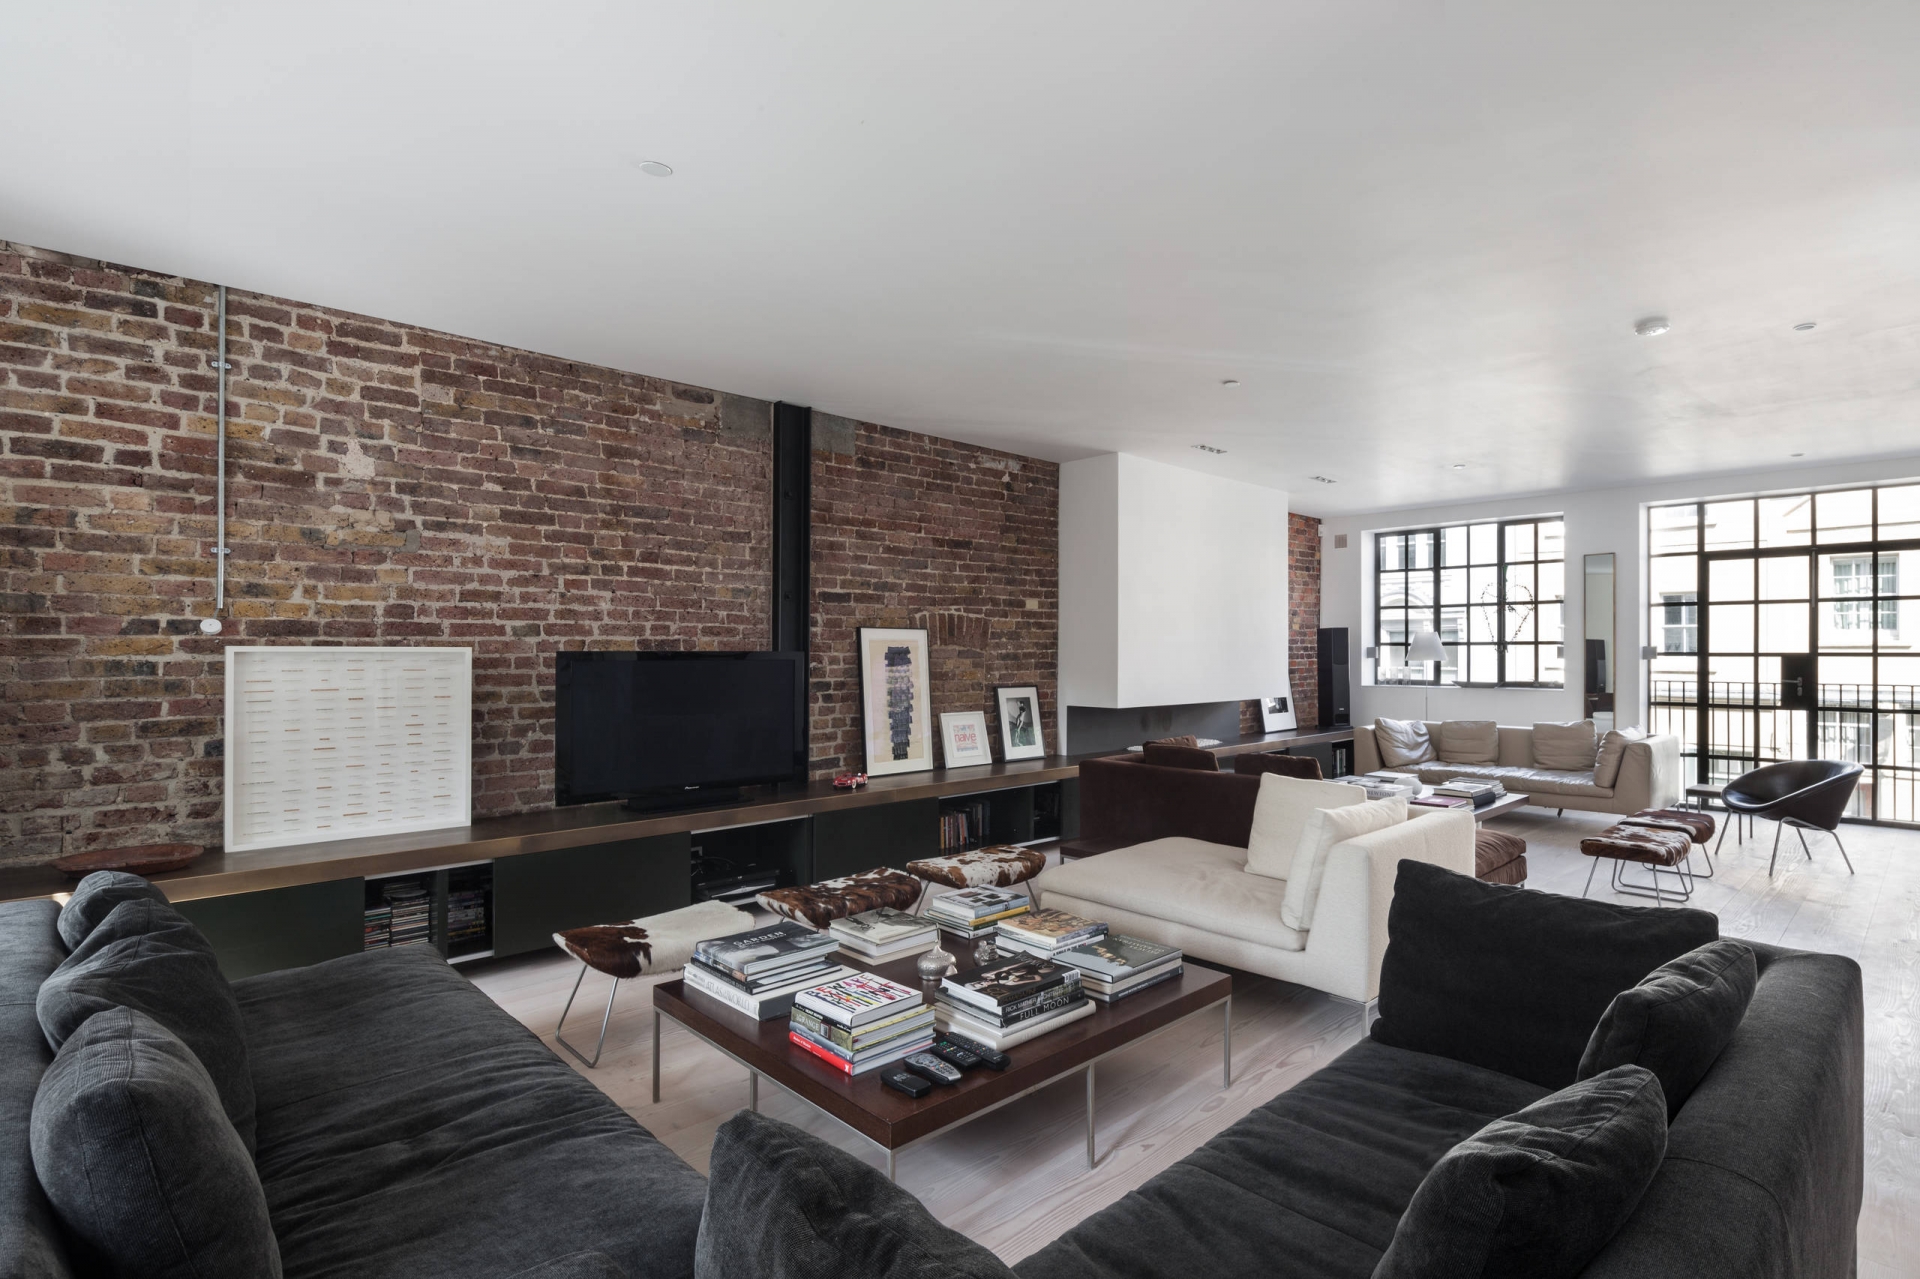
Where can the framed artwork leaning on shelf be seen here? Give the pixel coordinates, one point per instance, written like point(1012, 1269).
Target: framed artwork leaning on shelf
point(1276, 713)
point(896, 724)
point(963, 739)
point(1020, 732)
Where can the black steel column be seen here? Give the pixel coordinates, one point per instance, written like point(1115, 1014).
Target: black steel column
point(792, 526)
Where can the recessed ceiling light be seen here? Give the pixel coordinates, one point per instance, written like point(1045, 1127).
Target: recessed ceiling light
point(1229, 381)
point(1652, 327)
point(1321, 479)
point(1805, 325)
point(653, 168)
point(1796, 455)
point(1459, 466)
point(1208, 448)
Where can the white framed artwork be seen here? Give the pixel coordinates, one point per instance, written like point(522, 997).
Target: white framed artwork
point(894, 691)
point(1277, 713)
point(963, 739)
point(1021, 736)
point(334, 743)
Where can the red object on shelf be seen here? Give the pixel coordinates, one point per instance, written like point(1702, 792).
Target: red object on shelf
point(850, 781)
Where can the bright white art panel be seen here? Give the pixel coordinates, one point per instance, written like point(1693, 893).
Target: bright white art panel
point(333, 743)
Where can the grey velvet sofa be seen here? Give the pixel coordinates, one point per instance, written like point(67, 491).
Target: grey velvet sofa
point(407, 1126)
point(1650, 773)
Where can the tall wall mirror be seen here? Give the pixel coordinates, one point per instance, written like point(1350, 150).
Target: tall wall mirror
point(1601, 647)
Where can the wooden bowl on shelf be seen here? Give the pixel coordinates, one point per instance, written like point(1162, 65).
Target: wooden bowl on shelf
point(139, 859)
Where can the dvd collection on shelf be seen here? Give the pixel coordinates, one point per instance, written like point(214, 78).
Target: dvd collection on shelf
point(403, 916)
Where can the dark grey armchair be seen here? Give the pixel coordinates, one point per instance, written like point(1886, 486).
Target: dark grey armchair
point(1806, 794)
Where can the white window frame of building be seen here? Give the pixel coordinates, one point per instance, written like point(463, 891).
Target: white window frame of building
point(1680, 624)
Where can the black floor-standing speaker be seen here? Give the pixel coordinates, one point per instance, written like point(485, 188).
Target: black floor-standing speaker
point(1336, 688)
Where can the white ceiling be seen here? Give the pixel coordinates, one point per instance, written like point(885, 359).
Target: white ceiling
point(1418, 233)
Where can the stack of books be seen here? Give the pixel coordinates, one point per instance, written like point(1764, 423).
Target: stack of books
point(964, 826)
point(758, 972)
point(975, 912)
point(1384, 784)
point(1010, 1001)
point(885, 933)
point(412, 913)
point(860, 1022)
point(1046, 932)
point(1479, 793)
point(377, 931)
point(1116, 966)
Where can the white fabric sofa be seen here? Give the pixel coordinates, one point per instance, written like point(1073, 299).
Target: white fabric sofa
point(1198, 895)
point(1650, 775)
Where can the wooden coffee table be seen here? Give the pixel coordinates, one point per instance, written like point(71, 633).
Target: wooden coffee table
point(893, 1120)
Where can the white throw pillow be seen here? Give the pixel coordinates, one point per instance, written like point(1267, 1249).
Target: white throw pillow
point(1280, 813)
point(1613, 751)
point(1327, 827)
point(1469, 741)
point(1402, 742)
point(1569, 747)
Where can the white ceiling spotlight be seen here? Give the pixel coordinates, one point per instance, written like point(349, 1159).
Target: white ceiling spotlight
point(1321, 479)
point(1459, 466)
point(1652, 327)
point(653, 168)
point(1229, 381)
point(1208, 448)
point(1806, 326)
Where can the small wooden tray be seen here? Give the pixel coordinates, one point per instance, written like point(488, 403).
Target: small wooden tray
point(140, 859)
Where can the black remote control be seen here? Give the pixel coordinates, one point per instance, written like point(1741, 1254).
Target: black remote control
point(907, 1082)
point(933, 1068)
point(954, 1055)
point(988, 1057)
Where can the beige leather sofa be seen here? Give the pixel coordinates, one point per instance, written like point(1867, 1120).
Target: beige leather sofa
point(1649, 774)
point(1198, 895)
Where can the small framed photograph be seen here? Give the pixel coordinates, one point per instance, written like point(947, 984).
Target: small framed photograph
point(1020, 735)
point(963, 739)
point(1276, 713)
point(897, 727)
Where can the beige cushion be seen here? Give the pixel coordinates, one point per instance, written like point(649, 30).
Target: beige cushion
point(1469, 741)
point(1184, 881)
point(1564, 746)
point(1280, 814)
point(1402, 742)
point(1327, 827)
point(1613, 749)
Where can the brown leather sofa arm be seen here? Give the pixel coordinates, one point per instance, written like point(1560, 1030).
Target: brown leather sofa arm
point(1124, 803)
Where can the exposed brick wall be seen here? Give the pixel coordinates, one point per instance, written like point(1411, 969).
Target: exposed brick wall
point(1303, 626)
point(1303, 616)
point(910, 531)
point(386, 485)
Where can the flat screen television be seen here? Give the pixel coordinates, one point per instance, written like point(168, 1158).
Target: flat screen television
point(674, 729)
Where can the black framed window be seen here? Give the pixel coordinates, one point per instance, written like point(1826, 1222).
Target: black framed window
point(1495, 593)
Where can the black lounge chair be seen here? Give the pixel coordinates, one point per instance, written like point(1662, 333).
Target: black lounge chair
point(1806, 794)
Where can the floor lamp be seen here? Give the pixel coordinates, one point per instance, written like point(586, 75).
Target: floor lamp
point(1426, 648)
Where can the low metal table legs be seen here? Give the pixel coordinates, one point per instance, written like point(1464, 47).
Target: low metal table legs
point(605, 1018)
point(656, 1056)
point(1090, 1158)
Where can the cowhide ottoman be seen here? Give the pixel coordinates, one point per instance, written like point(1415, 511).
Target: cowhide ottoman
point(999, 866)
point(1698, 826)
point(1657, 848)
point(830, 899)
point(641, 947)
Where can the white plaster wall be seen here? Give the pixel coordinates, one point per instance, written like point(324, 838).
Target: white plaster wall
point(1185, 597)
point(1597, 520)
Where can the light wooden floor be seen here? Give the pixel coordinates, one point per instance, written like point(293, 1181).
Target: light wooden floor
point(1018, 1177)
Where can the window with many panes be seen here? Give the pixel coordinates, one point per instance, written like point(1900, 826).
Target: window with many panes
point(1495, 593)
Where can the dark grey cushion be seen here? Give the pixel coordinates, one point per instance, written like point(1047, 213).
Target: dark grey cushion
point(1677, 1020)
point(1538, 1194)
point(31, 1246)
point(458, 1144)
point(1309, 1186)
point(1512, 981)
point(94, 899)
point(782, 1204)
point(145, 955)
point(135, 1151)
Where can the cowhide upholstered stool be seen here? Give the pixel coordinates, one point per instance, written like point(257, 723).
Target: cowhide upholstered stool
point(1655, 847)
point(639, 948)
point(998, 866)
point(1699, 827)
point(830, 899)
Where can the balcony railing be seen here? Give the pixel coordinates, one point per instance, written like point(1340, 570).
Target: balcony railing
point(1740, 694)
